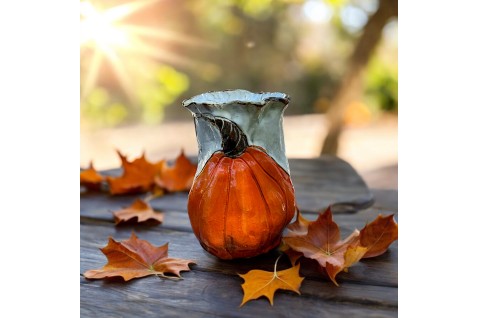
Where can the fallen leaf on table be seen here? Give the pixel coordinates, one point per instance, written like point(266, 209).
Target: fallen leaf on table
point(179, 176)
point(138, 176)
point(294, 256)
point(374, 240)
point(90, 178)
point(259, 283)
point(299, 226)
point(322, 242)
point(352, 255)
point(378, 235)
point(139, 210)
point(134, 258)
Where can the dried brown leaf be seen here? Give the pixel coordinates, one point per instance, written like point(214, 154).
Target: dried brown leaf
point(179, 176)
point(90, 178)
point(322, 241)
point(378, 235)
point(138, 176)
point(139, 211)
point(134, 258)
point(299, 227)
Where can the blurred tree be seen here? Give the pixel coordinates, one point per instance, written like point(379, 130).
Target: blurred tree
point(352, 80)
point(140, 56)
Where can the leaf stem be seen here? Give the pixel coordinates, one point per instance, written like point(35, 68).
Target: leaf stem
point(275, 265)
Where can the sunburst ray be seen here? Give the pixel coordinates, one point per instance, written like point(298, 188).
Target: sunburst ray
point(113, 41)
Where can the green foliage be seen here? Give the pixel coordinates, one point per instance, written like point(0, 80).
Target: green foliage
point(382, 84)
point(259, 45)
point(161, 92)
point(255, 8)
point(101, 108)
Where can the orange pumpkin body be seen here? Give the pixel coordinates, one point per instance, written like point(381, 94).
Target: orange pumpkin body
point(239, 206)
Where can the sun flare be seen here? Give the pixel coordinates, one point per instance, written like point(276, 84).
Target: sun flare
point(109, 39)
point(97, 28)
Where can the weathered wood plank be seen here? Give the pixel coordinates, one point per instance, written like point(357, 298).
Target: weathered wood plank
point(318, 183)
point(380, 271)
point(362, 294)
point(212, 288)
point(100, 206)
point(205, 295)
point(386, 199)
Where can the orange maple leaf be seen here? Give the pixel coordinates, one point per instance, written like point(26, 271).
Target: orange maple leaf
point(352, 255)
point(378, 235)
point(293, 255)
point(139, 210)
point(90, 178)
point(134, 258)
point(300, 226)
point(179, 176)
point(374, 240)
point(322, 241)
point(259, 283)
point(138, 176)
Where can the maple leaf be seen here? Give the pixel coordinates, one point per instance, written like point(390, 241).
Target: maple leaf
point(138, 176)
point(322, 241)
point(293, 255)
point(134, 258)
point(352, 255)
point(374, 240)
point(259, 283)
point(179, 176)
point(139, 210)
point(90, 178)
point(378, 235)
point(300, 226)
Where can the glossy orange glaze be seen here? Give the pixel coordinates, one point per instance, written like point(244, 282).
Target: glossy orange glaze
point(238, 207)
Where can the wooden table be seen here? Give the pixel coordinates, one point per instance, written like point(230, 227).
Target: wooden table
point(212, 288)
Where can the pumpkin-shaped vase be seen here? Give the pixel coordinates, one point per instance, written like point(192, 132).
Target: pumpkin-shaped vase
point(242, 197)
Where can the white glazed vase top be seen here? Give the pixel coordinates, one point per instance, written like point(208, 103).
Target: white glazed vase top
point(259, 115)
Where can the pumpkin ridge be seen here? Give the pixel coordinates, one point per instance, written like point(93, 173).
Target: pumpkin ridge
point(213, 174)
point(228, 193)
point(284, 195)
point(212, 177)
point(263, 198)
point(261, 149)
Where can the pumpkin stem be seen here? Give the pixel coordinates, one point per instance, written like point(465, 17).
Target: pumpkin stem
point(234, 141)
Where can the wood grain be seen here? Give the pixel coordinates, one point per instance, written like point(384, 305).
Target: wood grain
point(212, 287)
point(376, 271)
point(207, 295)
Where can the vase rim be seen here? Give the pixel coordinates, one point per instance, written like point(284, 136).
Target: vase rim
point(237, 96)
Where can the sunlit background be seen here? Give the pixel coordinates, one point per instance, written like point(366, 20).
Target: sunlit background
point(337, 59)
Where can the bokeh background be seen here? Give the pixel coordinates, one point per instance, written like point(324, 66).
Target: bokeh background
point(337, 59)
